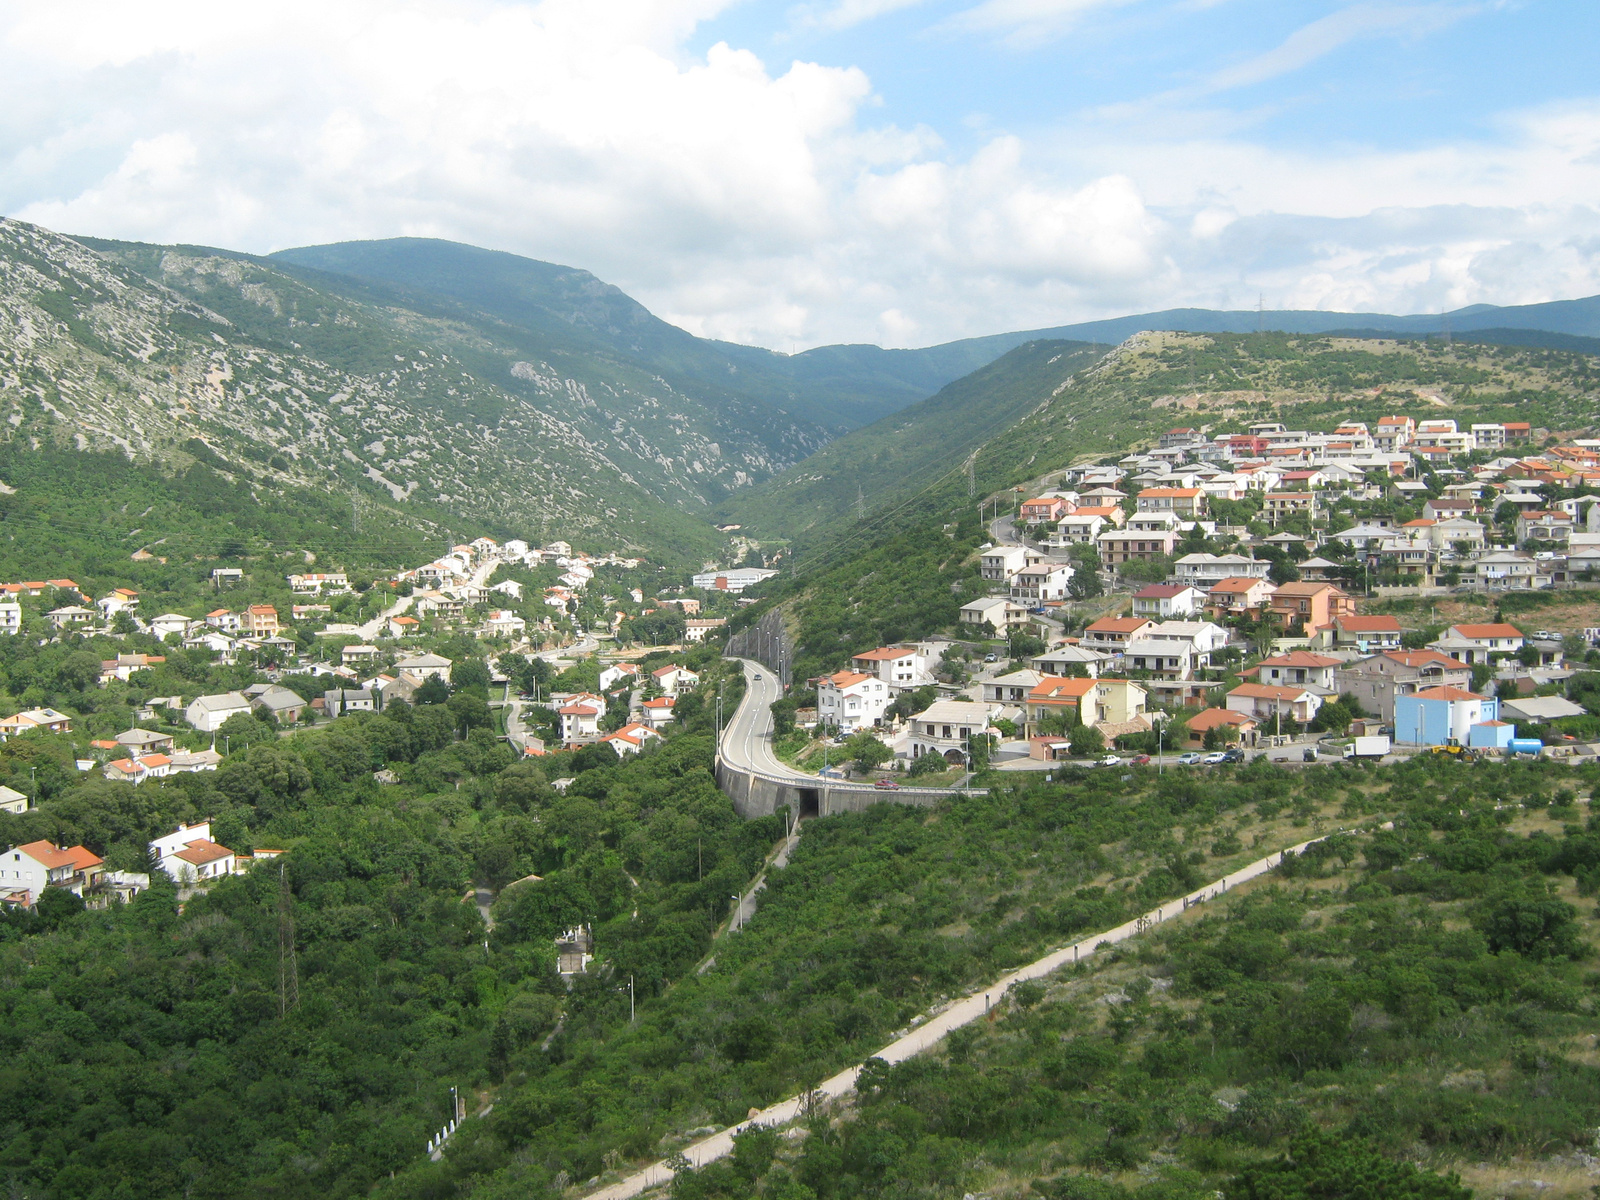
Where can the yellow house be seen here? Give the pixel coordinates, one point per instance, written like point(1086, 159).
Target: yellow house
point(1096, 701)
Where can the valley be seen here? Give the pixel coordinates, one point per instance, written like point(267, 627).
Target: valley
point(395, 581)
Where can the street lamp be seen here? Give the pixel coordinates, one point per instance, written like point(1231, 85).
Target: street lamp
point(733, 925)
point(630, 999)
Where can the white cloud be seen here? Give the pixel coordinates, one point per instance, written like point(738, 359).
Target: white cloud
point(846, 14)
point(742, 199)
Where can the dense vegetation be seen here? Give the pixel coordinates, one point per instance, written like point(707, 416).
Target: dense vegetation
point(1421, 993)
point(297, 1034)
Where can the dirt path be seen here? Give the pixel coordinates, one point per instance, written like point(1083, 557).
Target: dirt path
point(941, 1022)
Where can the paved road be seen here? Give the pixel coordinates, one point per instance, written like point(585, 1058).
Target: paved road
point(941, 1023)
point(747, 739)
point(375, 626)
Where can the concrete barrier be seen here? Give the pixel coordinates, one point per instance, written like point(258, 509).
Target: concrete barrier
point(757, 794)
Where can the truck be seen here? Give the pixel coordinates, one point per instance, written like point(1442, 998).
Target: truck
point(1371, 746)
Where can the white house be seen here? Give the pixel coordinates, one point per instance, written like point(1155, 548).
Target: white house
point(189, 855)
point(994, 610)
point(10, 617)
point(208, 713)
point(619, 673)
point(1164, 659)
point(169, 623)
point(12, 801)
point(852, 700)
point(503, 623)
point(1203, 570)
point(426, 666)
point(69, 614)
point(1477, 643)
point(580, 717)
point(947, 727)
point(674, 680)
point(631, 738)
point(1059, 661)
point(733, 580)
point(1163, 600)
point(1204, 638)
point(658, 712)
point(999, 563)
point(25, 871)
point(1265, 701)
point(901, 667)
point(1043, 581)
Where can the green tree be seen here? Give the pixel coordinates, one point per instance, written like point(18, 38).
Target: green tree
point(470, 674)
point(1321, 1166)
point(1087, 740)
point(867, 750)
point(1526, 918)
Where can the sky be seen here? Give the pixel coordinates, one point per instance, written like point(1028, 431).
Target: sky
point(904, 172)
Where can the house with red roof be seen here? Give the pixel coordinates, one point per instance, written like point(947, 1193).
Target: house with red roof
point(658, 712)
point(1267, 701)
point(580, 717)
point(1235, 726)
point(26, 870)
point(1044, 508)
point(1111, 635)
point(1474, 644)
point(1162, 600)
point(852, 700)
point(1298, 668)
point(631, 738)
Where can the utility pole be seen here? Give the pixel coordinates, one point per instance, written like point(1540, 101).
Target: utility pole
point(1261, 318)
point(861, 505)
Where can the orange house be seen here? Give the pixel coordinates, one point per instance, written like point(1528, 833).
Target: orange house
point(1312, 605)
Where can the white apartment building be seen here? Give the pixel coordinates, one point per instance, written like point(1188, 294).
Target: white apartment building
point(852, 700)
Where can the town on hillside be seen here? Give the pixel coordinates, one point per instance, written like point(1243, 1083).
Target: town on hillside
point(545, 648)
point(1289, 592)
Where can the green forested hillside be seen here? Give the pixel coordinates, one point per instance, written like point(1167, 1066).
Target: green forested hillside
point(296, 1031)
point(1019, 419)
point(925, 444)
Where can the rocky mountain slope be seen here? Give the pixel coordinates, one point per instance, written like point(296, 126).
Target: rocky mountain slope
point(175, 355)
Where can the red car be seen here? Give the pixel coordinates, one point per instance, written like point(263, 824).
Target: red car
point(1140, 760)
point(887, 785)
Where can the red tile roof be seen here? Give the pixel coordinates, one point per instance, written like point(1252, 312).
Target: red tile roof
point(1447, 693)
point(1495, 630)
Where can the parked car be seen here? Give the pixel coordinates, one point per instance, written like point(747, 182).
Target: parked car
point(1188, 759)
point(887, 785)
point(1233, 754)
point(1140, 760)
point(989, 658)
point(1215, 757)
point(1108, 760)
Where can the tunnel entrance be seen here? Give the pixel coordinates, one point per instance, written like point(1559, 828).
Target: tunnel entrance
point(809, 804)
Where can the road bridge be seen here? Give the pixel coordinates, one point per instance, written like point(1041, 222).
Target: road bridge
point(760, 783)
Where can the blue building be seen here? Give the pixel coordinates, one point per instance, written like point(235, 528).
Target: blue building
point(1439, 715)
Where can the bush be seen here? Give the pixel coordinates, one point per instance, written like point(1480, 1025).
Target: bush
point(1087, 740)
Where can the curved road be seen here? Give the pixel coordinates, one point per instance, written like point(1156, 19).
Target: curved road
point(747, 738)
